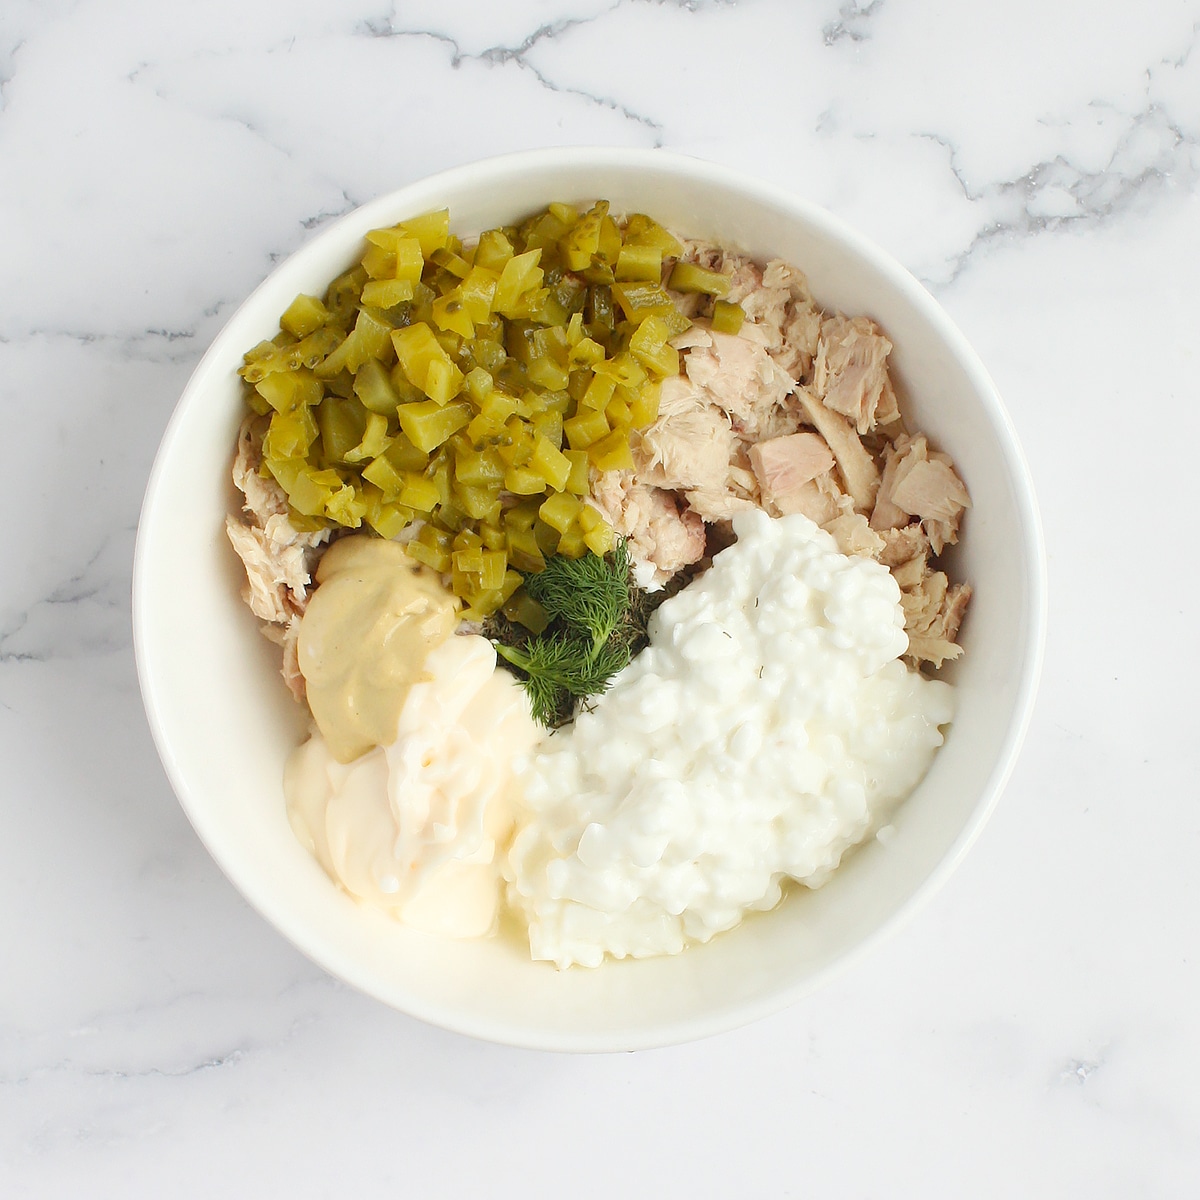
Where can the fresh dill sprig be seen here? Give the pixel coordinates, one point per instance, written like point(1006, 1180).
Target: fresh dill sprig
point(591, 592)
point(560, 669)
point(594, 629)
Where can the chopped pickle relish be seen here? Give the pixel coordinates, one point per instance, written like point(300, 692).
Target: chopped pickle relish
point(473, 388)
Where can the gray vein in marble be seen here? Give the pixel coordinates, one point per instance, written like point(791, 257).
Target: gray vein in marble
point(607, 102)
point(8, 67)
point(1096, 197)
point(137, 1032)
point(317, 219)
point(853, 23)
point(53, 626)
point(244, 122)
point(1182, 60)
point(1153, 152)
point(228, 1058)
point(149, 345)
point(314, 220)
point(691, 6)
point(502, 56)
point(506, 54)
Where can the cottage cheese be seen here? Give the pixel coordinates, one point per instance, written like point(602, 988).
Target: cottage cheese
point(767, 728)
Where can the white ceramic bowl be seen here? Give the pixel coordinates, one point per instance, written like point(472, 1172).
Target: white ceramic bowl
point(224, 722)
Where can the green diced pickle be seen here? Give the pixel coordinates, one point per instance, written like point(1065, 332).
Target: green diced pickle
point(432, 230)
point(311, 350)
point(581, 243)
point(419, 493)
point(691, 277)
point(284, 391)
point(639, 262)
point(452, 262)
point(255, 402)
point(374, 389)
point(341, 298)
point(494, 250)
point(525, 610)
point(641, 299)
point(404, 456)
point(304, 315)
point(346, 507)
point(374, 440)
point(385, 477)
point(373, 333)
point(640, 230)
point(609, 248)
point(290, 434)
point(727, 317)
point(599, 313)
point(472, 388)
point(429, 424)
point(341, 384)
point(341, 424)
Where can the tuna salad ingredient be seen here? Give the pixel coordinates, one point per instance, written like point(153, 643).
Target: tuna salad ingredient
point(416, 827)
point(588, 621)
point(766, 729)
point(465, 391)
point(681, 502)
point(795, 411)
point(364, 639)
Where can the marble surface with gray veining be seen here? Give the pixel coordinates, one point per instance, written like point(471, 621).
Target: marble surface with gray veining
point(1034, 1032)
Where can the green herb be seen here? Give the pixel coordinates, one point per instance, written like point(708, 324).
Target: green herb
point(591, 592)
point(597, 623)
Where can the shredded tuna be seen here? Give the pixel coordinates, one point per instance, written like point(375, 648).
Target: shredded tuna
point(857, 467)
point(662, 537)
point(715, 505)
point(910, 574)
point(819, 500)
point(850, 375)
point(918, 482)
point(854, 535)
point(266, 590)
point(695, 335)
point(279, 559)
point(933, 613)
point(903, 545)
point(690, 444)
point(798, 413)
point(287, 637)
point(263, 498)
point(742, 379)
point(897, 462)
point(783, 465)
point(776, 300)
point(933, 608)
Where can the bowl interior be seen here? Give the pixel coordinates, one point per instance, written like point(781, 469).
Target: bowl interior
point(224, 722)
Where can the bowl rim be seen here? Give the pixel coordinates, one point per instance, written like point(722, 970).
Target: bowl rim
point(1032, 543)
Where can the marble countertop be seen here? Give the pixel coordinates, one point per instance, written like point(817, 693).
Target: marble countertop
point(1033, 1032)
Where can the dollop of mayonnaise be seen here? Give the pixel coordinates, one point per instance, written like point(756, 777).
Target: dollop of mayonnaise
point(365, 637)
point(407, 813)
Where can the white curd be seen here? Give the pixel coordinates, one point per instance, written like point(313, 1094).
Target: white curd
point(767, 728)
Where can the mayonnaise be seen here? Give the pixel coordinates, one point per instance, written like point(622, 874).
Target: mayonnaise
point(413, 827)
point(403, 792)
point(364, 639)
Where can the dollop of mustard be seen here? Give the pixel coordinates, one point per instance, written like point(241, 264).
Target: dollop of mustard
point(364, 639)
